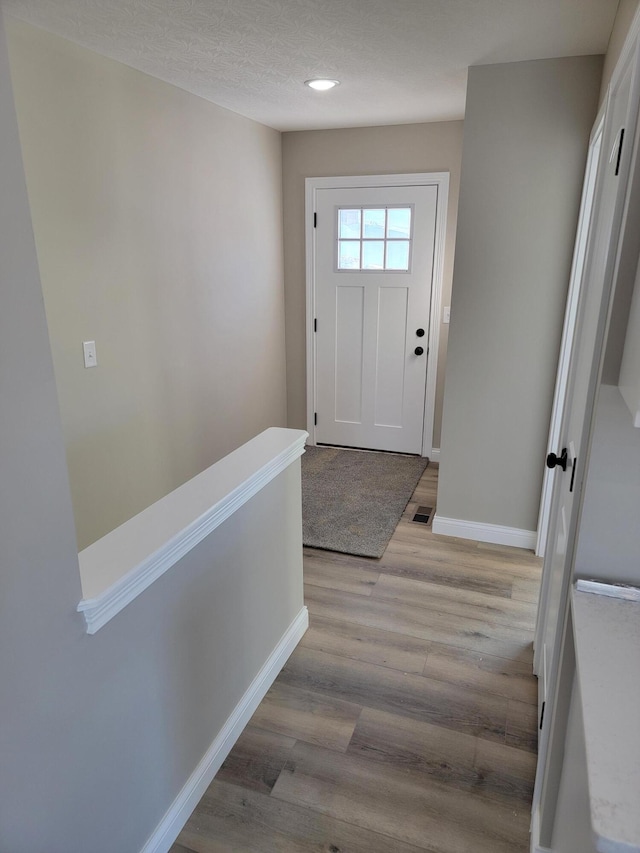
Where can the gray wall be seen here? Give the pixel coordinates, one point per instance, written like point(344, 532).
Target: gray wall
point(526, 133)
point(99, 734)
point(158, 225)
point(435, 147)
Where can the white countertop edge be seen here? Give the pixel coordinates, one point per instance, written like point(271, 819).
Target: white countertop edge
point(607, 640)
point(117, 568)
point(611, 845)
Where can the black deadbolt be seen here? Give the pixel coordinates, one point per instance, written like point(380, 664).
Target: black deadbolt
point(420, 333)
point(418, 350)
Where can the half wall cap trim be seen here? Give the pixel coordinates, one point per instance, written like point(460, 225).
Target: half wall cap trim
point(117, 568)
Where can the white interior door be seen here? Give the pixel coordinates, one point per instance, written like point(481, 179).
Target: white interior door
point(606, 243)
point(568, 333)
point(583, 377)
point(584, 373)
point(374, 266)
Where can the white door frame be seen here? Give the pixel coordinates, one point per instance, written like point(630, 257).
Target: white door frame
point(575, 282)
point(562, 668)
point(441, 181)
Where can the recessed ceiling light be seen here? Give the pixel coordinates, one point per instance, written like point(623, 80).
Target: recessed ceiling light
point(321, 85)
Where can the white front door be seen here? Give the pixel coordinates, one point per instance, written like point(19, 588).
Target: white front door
point(374, 266)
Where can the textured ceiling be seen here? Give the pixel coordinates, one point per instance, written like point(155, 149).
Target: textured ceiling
point(398, 60)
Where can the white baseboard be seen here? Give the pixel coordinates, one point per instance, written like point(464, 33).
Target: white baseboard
point(434, 456)
point(494, 533)
point(169, 827)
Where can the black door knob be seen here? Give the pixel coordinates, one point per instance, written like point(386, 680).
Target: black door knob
point(420, 333)
point(418, 350)
point(553, 460)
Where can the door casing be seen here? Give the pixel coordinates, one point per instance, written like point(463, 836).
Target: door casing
point(441, 181)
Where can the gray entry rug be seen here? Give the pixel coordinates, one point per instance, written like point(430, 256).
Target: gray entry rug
point(352, 501)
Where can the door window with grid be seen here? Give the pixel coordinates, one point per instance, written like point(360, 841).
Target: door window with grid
point(374, 239)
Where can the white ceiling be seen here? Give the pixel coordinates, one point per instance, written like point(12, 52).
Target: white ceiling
point(398, 60)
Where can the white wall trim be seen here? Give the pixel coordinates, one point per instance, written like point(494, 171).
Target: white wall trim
point(121, 565)
point(169, 827)
point(481, 532)
point(435, 315)
point(434, 456)
point(441, 181)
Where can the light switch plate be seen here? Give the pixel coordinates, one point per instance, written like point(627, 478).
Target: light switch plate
point(446, 315)
point(90, 356)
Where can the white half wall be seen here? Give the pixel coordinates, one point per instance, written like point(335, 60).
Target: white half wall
point(100, 734)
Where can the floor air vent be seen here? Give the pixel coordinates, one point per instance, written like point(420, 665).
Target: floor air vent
point(423, 515)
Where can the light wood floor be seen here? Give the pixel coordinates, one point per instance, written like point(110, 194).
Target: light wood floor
point(406, 718)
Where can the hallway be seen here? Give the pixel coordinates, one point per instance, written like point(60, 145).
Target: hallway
point(406, 718)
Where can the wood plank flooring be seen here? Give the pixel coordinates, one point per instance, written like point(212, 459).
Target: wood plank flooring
point(405, 720)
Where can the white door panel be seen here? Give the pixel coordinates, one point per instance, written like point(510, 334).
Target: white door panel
point(393, 306)
point(349, 336)
point(370, 382)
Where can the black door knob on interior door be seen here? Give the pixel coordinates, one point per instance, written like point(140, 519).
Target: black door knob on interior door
point(553, 460)
point(420, 333)
point(418, 350)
